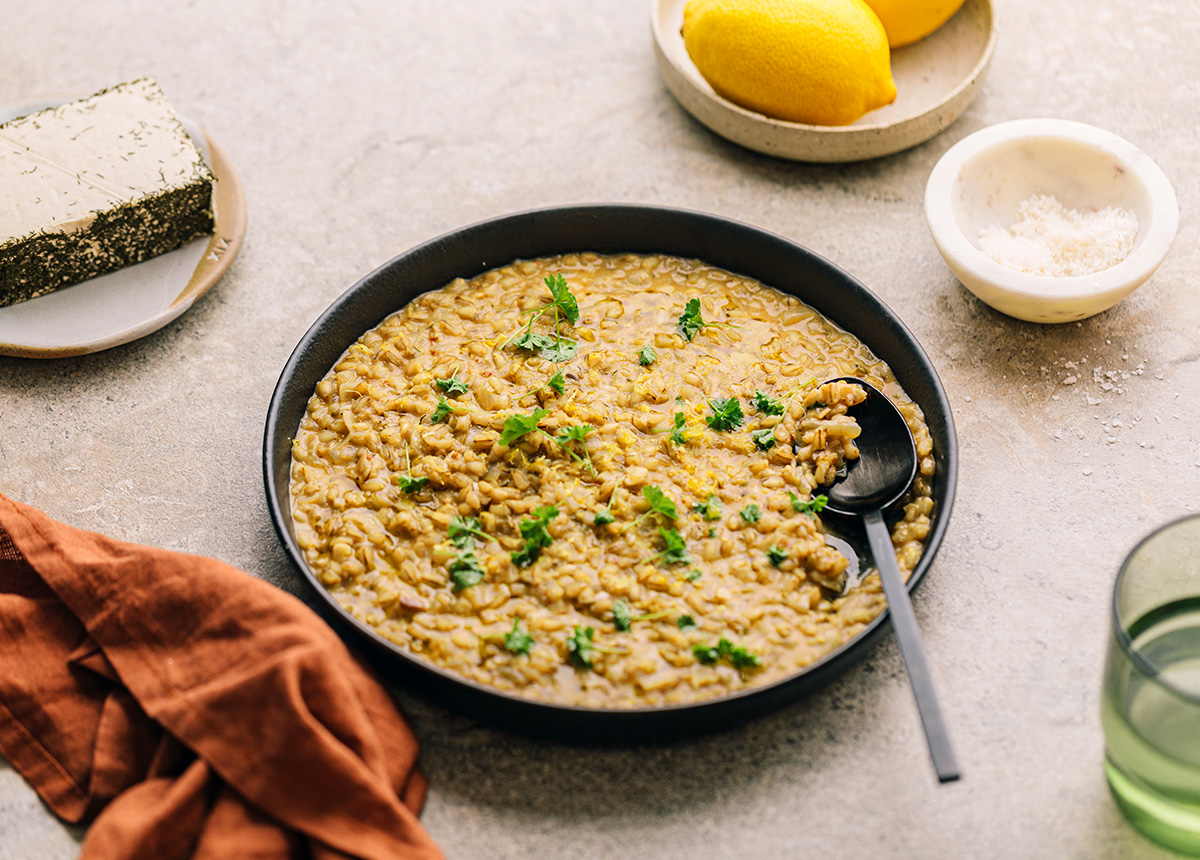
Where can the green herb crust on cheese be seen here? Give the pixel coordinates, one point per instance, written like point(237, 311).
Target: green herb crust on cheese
point(95, 185)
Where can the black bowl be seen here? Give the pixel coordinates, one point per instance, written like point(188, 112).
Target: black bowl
point(740, 248)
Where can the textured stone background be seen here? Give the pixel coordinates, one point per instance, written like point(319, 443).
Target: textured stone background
point(362, 128)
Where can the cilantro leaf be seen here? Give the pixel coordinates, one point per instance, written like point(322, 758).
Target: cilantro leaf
point(576, 433)
point(518, 641)
point(738, 655)
point(693, 575)
point(516, 426)
point(647, 356)
point(686, 622)
point(676, 551)
point(452, 386)
point(691, 321)
point(604, 516)
point(750, 514)
point(557, 383)
point(465, 570)
point(776, 555)
point(766, 404)
point(580, 647)
point(659, 503)
point(726, 413)
point(442, 412)
point(622, 617)
point(562, 349)
point(533, 341)
point(678, 432)
point(537, 536)
point(764, 439)
point(814, 506)
point(463, 530)
point(564, 301)
point(409, 484)
point(710, 508)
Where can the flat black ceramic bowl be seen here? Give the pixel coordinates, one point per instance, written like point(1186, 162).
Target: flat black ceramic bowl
point(472, 250)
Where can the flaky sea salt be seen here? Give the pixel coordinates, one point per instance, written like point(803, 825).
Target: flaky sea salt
point(1050, 239)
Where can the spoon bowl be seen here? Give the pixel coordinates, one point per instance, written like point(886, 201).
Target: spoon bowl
point(876, 480)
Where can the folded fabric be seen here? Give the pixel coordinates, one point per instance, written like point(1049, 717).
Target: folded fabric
point(189, 710)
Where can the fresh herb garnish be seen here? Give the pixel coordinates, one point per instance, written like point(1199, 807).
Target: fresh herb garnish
point(659, 504)
point(647, 356)
point(537, 536)
point(604, 516)
point(622, 617)
point(766, 404)
point(764, 439)
point(679, 431)
point(409, 484)
point(557, 383)
point(564, 306)
point(813, 506)
point(676, 548)
point(442, 412)
point(726, 413)
point(776, 555)
point(406, 482)
point(710, 508)
point(740, 657)
point(465, 570)
point(518, 641)
point(463, 530)
point(580, 647)
point(578, 433)
point(516, 426)
point(452, 386)
point(693, 575)
point(750, 514)
point(686, 622)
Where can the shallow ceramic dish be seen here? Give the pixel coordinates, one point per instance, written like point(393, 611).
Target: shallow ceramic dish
point(132, 302)
point(936, 78)
point(605, 229)
point(983, 178)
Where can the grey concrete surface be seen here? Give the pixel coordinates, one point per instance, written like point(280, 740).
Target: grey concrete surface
point(362, 128)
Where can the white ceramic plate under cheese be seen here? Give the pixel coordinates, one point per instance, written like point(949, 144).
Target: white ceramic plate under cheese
point(936, 78)
point(132, 302)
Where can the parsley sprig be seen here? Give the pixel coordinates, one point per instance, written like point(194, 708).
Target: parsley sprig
point(813, 506)
point(565, 307)
point(517, 640)
point(647, 356)
point(738, 656)
point(406, 482)
point(710, 508)
point(536, 535)
point(660, 505)
point(726, 414)
point(691, 321)
point(581, 644)
point(766, 404)
point(623, 618)
point(675, 551)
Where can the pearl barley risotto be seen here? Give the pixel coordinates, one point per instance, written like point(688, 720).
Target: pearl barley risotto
point(596, 480)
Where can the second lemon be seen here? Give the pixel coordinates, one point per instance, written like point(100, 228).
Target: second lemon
point(821, 62)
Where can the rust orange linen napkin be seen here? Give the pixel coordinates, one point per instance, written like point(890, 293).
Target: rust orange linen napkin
point(189, 710)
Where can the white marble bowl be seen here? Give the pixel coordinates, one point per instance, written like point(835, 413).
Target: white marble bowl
point(982, 179)
point(936, 78)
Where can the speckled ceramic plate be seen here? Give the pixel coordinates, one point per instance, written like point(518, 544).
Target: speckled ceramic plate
point(936, 78)
point(132, 302)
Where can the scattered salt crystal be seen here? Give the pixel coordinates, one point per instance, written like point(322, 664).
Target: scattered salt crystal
point(1070, 380)
point(1087, 471)
point(1049, 239)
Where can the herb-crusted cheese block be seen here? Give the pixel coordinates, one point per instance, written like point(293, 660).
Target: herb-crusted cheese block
point(94, 185)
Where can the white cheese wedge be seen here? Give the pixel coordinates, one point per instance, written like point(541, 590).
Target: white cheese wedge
point(94, 185)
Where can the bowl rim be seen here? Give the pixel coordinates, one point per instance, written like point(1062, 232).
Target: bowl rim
point(558, 718)
point(961, 253)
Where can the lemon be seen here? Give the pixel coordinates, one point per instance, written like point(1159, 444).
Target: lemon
point(908, 21)
point(822, 62)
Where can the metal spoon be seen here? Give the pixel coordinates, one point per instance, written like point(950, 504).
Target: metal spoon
point(882, 474)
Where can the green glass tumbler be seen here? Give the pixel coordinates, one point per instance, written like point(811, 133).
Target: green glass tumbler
point(1150, 706)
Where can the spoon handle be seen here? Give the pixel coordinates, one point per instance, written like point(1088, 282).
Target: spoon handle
point(908, 635)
